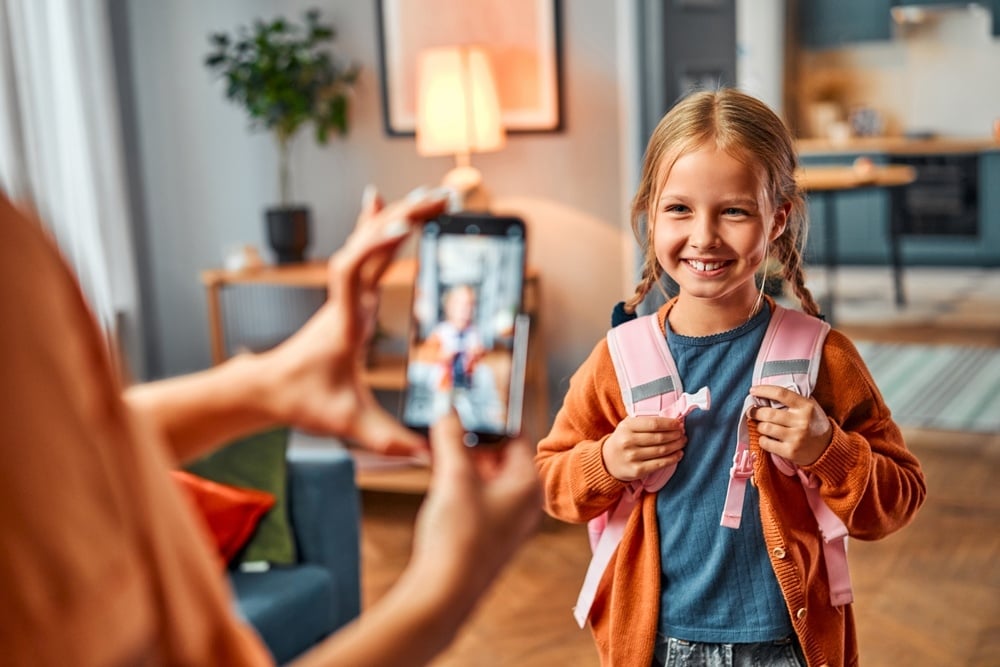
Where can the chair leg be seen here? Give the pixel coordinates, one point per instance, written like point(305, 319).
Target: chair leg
point(898, 202)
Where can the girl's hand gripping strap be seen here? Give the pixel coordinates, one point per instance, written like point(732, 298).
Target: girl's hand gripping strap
point(789, 357)
point(650, 385)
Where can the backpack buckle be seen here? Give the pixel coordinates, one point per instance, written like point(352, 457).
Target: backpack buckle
point(742, 464)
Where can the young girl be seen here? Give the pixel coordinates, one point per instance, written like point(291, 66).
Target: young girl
point(719, 196)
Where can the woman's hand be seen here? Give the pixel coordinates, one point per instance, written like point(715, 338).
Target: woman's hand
point(482, 504)
point(318, 372)
point(642, 445)
point(799, 432)
point(313, 380)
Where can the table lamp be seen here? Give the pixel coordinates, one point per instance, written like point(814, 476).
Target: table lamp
point(458, 113)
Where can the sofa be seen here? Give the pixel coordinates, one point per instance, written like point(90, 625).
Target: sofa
point(295, 606)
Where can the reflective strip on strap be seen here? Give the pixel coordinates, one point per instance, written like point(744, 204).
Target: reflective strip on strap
point(656, 387)
point(784, 367)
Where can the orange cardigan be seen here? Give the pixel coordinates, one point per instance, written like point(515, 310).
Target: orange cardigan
point(867, 476)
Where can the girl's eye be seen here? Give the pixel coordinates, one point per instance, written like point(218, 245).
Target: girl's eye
point(675, 208)
point(736, 212)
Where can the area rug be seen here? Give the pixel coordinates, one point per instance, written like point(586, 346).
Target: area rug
point(939, 387)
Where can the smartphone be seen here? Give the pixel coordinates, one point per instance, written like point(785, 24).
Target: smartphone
point(467, 343)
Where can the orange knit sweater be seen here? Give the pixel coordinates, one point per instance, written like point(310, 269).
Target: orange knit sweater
point(867, 476)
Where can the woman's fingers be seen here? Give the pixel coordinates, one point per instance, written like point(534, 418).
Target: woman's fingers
point(354, 271)
point(379, 233)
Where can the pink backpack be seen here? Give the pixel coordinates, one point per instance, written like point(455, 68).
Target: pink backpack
point(789, 357)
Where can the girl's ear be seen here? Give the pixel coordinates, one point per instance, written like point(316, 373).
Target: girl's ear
point(780, 221)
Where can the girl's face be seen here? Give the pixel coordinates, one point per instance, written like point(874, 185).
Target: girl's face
point(710, 229)
point(459, 306)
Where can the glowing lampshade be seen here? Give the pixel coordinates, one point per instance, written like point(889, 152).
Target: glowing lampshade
point(458, 111)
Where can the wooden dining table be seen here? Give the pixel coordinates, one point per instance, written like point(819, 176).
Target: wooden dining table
point(826, 181)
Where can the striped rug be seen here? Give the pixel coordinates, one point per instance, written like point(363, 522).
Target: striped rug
point(940, 387)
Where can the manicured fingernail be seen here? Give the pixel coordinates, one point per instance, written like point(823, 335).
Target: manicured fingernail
point(424, 194)
point(396, 228)
point(368, 197)
point(417, 194)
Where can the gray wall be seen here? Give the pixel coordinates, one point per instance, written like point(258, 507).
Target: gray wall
point(202, 179)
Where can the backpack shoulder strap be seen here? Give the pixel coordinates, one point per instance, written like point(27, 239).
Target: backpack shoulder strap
point(789, 357)
point(649, 381)
point(650, 385)
point(791, 351)
point(646, 372)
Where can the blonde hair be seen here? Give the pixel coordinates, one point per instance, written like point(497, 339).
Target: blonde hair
point(747, 129)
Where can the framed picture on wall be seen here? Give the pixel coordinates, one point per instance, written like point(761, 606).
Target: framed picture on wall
point(522, 38)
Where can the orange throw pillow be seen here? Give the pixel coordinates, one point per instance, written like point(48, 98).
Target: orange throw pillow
point(230, 513)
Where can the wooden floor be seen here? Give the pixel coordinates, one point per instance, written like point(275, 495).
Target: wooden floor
point(928, 596)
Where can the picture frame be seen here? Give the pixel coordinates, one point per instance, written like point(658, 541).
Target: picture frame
point(523, 38)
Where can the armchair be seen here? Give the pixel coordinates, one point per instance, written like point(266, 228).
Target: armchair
point(294, 607)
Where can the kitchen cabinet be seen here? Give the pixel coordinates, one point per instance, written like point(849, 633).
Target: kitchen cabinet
point(989, 193)
point(863, 223)
point(992, 5)
point(982, 249)
point(827, 24)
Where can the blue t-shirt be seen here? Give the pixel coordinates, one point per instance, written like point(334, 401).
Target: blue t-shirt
point(717, 583)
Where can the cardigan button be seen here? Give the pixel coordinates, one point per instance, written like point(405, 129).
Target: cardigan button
point(801, 613)
point(778, 552)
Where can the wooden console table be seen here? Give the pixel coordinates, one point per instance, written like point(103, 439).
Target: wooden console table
point(388, 374)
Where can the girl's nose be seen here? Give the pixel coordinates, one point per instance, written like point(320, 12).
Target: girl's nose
point(704, 232)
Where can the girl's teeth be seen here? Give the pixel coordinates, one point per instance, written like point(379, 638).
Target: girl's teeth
point(706, 266)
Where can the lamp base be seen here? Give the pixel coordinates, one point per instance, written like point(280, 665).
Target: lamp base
point(469, 193)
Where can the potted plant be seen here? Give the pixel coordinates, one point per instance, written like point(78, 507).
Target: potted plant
point(285, 77)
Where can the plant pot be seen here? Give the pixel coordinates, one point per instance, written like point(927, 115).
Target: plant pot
point(288, 232)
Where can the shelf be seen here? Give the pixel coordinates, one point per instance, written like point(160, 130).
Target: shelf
point(309, 274)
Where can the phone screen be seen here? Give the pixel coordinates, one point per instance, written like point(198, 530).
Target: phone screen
point(467, 336)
